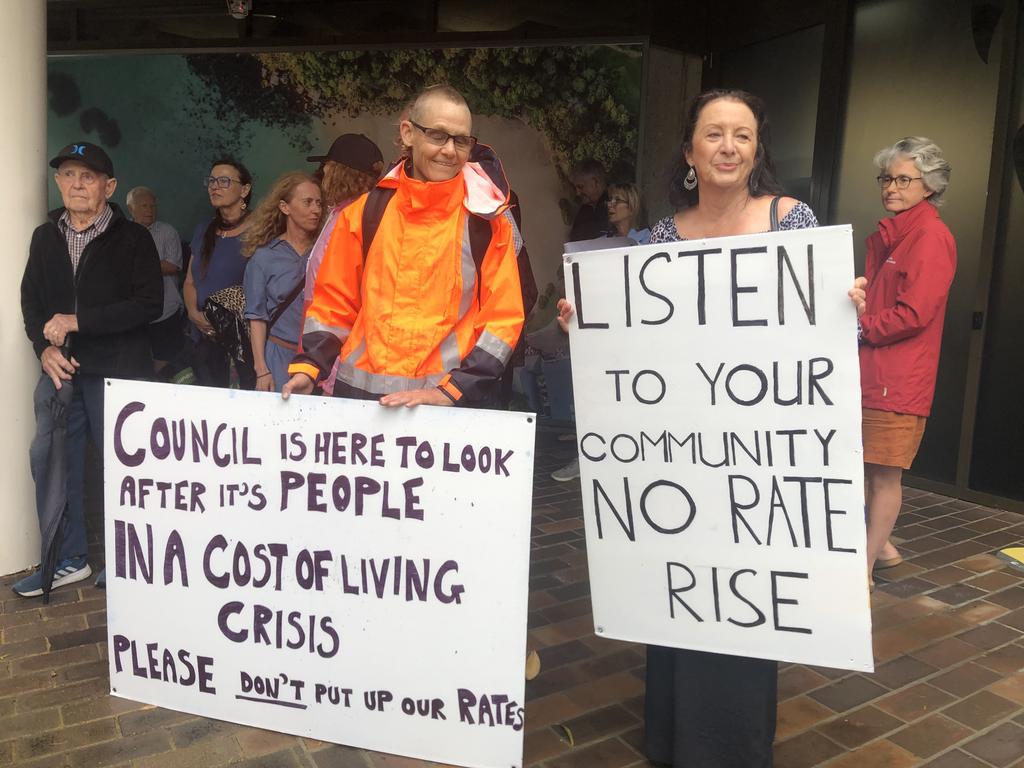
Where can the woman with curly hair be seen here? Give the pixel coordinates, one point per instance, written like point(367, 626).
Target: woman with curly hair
point(277, 243)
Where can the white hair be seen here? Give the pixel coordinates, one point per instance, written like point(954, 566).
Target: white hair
point(136, 191)
point(928, 159)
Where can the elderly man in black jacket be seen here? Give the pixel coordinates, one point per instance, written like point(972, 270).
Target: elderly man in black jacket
point(91, 286)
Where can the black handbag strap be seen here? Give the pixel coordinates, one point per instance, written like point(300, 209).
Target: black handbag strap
point(775, 213)
point(279, 310)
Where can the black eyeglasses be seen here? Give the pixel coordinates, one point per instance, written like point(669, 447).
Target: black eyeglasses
point(902, 182)
point(439, 138)
point(221, 182)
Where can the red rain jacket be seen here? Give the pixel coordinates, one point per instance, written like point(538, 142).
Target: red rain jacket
point(910, 264)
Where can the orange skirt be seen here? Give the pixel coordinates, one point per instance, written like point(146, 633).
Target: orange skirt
point(891, 439)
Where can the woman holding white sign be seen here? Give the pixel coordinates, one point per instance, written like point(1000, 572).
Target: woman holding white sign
point(910, 264)
point(709, 710)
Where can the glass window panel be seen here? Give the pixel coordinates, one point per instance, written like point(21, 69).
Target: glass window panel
point(916, 71)
point(997, 464)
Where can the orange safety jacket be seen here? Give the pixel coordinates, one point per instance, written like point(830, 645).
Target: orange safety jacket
point(421, 310)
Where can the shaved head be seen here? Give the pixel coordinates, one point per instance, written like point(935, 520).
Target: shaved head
point(433, 94)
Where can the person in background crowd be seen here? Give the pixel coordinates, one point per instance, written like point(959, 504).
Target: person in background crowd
point(278, 239)
point(546, 348)
point(458, 319)
point(165, 333)
point(591, 220)
point(704, 709)
point(350, 168)
point(353, 163)
point(217, 263)
point(624, 212)
point(91, 285)
point(910, 264)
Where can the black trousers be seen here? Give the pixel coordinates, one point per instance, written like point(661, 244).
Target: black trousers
point(709, 710)
point(212, 366)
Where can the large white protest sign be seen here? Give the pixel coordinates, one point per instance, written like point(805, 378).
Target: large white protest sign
point(328, 568)
point(718, 415)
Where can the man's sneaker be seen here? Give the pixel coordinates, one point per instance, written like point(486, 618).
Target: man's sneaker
point(569, 472)
point(68, 571)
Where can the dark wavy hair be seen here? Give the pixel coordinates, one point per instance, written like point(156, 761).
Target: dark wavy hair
point(762, 179)
point(210, 235)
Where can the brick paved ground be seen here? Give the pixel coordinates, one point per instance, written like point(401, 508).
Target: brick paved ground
point(948, 693)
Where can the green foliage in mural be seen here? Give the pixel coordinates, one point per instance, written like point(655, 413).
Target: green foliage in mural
point(231, 87)
point(585, 100)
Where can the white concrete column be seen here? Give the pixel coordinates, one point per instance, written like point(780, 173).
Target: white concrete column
point(22, 209)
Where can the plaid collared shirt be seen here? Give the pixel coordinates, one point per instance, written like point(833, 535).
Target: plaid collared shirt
point(77, 240)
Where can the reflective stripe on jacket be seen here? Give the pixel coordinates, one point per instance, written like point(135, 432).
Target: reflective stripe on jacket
point(910, 264)
point(420, 312)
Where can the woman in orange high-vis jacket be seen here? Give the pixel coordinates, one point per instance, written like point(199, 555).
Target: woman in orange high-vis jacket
point(435, 301)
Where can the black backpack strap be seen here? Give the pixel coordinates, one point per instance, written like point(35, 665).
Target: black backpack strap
point(775, 213)
point(377, 200)
point(287, 302)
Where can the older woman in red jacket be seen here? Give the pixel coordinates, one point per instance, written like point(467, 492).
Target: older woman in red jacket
point(910, 264)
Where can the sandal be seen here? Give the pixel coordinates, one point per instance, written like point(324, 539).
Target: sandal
point(892, 562)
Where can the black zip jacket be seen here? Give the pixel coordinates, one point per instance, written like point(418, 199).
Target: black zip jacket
point(116, 293)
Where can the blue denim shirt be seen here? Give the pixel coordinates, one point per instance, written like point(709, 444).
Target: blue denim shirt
point(273, 272)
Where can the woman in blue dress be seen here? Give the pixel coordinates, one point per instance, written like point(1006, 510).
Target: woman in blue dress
point(217, 263)
point(280, 236)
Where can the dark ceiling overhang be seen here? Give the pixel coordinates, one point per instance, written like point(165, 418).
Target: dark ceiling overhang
point(699, 27)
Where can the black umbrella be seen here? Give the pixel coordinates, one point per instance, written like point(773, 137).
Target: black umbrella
point(53, 516)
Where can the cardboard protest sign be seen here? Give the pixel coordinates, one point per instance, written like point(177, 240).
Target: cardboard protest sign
point(327, 568)
point(718, 418)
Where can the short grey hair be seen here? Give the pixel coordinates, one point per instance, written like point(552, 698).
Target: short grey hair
point(928, 159)
point(441, 91)
point(135, 192)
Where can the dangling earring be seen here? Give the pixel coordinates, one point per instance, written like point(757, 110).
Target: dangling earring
point(244, 206)
point(690, 182)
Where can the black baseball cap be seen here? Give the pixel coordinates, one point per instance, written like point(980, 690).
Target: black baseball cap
point(87, 153)
point(354, 150)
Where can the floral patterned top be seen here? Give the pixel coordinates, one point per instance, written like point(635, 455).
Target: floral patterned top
point(801, 217)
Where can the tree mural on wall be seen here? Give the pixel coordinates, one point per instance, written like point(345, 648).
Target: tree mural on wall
point(64, 99)
point(584, 99)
